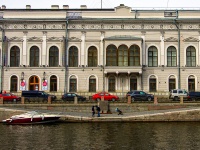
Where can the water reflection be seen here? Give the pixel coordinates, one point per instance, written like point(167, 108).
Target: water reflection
point(102, 136)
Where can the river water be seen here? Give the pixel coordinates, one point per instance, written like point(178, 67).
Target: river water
point(102, 136)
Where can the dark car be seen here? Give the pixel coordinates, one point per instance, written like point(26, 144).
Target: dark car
point(37, 94)
point(70, 97)
point(141, 96)
point(193, 96)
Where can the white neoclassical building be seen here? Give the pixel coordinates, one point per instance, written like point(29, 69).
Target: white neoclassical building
point(91, 50)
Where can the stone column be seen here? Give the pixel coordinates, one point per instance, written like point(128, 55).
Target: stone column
point(162, 50)
point(44, 52)
point(143, 51)
point(198, 52)
point(83, 51)
point(101, 49)
point(24, 54)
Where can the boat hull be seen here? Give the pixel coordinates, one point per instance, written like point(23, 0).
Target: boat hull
point(31, 118)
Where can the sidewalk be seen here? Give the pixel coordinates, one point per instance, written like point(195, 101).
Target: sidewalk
point(181, 114)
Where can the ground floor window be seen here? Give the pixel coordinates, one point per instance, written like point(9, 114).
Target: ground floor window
point(53, 84)
point(152, 84)
point(172, 83)
point(73, 84)
point(191, 83)
point(13, 84)
point(133, 83)
point(92, 84)
point(111, 84)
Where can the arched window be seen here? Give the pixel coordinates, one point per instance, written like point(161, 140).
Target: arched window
point(134, 55)
point(133, 83)
point(111, 84)
point(92, 57)
point(123, 55)
point(172, 82)
point(34, 56)
point(111, 56)
point(152, 56)
point(53, 83)
point(14, 56)
point(191, 83)
point(152, 84)
point(73, 84)
point(53, 56)
point(171, 56)
point(73, 56)
point(191, 56)
point(13, 84)
point(92, 84)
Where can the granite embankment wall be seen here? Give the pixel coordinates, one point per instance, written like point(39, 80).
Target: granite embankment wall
point(132, 112)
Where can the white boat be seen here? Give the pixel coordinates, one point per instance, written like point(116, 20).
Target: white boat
point(32, 117)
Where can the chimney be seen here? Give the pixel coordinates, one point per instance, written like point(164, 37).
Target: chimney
point(3, 7)
point(54, 6)
point(28, 6)
point(65, 6)
point(83, 6)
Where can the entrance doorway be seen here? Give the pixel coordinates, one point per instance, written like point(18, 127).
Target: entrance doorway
point(34, 83)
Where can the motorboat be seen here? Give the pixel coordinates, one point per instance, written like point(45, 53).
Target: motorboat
point(32, 117)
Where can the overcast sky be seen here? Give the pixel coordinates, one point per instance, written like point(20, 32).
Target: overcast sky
point(35, 4)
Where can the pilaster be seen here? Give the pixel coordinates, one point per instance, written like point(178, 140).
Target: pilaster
point(83, 51)
point(44, 49)
point(24, 53)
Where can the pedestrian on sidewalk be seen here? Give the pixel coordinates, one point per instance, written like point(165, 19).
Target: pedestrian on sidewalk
point(93, 111)
point(98, 111)
point(119, 111)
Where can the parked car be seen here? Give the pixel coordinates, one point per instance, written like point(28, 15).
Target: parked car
point(175, 94)
point(129, 93)
point(10, 97)
point(141, 96)
point(107, 96)
point(193, 96)
point(70, 97)
point(37, 94)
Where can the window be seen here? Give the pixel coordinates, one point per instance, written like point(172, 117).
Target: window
point(191, 83)
point(92, 84)
point(73, 84)
point(133, 83)
point(152, 84)
point(92, 57)
point(73, 56)
point(123, 56)
point(172, 83)
point(134, 56)
point(152, 57)
point(34, 56)
point(53, 56)
point(13, 84)
point(14, 56)
point(53, 84)
point(191, 56)
point(171, 57)
point(111, 56)
point(111, 84)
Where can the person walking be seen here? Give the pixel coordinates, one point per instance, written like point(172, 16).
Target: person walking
point(98, 111)
point(93, 111)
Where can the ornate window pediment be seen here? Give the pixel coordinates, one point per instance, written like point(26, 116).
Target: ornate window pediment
point(55, 39)
point(34, 39)
point(74, 39)
point(191, 39)
point(171, 39)
point(15, 39)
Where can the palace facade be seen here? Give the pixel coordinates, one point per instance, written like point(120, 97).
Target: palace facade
point(91, 50)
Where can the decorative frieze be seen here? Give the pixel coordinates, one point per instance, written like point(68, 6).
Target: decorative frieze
point(34, 26)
